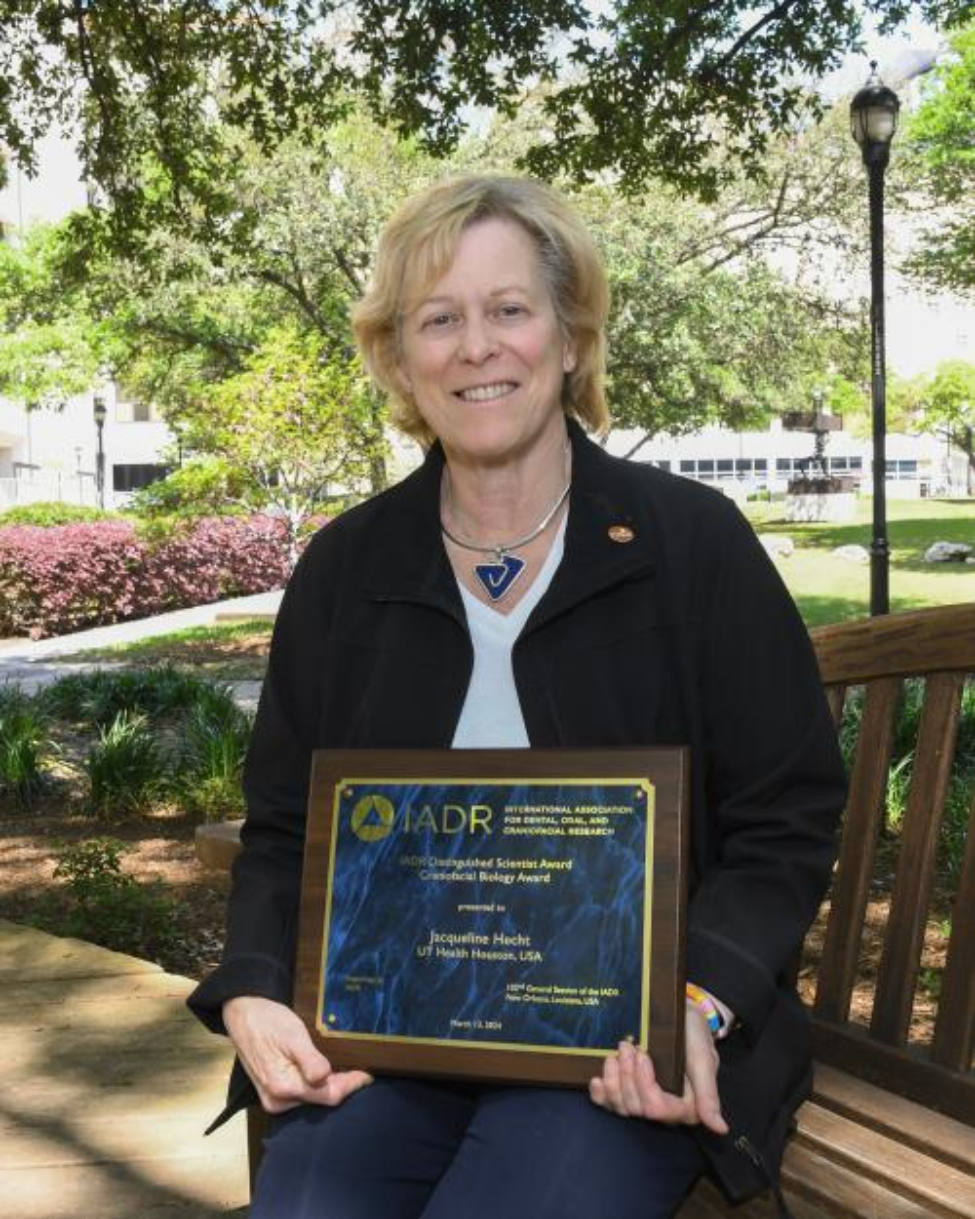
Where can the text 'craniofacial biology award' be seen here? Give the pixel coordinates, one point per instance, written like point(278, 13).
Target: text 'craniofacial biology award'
point(493, 914)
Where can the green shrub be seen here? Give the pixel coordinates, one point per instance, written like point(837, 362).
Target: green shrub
point(954, 825)
point(202, 487)
point(98, 697)
point(126, 772)
point(50, 514)
point(106, 905)
point(23, 735)
point(214, 744)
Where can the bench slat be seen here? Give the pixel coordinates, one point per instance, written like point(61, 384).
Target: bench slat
point(901, 645)
point(906, 1070)
point(901, 957)
point(915, 1125)
point(836, 973)
point(836, 701)
point(834, 1191)
point(897, 1168)
point(954, 1031)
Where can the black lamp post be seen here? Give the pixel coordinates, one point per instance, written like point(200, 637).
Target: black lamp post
point(873, 119)
point(100, 413)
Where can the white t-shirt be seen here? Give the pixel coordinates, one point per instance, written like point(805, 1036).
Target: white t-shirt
point(491, 717)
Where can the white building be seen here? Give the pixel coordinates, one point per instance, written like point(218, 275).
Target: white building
point(743, 463)
point(52, 455)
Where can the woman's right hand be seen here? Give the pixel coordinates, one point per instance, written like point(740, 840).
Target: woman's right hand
point(278, 1054)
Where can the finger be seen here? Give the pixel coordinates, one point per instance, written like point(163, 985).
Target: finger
point(703, 1078)
point(612, 1097)
point(314, 1066)
point(630, 1094)
point(702, 1073)
point(657, 1104)
point(339, 1086)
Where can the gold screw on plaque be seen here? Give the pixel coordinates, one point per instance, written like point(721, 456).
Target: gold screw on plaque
point(620, 533)
point(333, 1019)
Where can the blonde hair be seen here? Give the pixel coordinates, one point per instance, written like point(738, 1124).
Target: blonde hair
point(417, 246)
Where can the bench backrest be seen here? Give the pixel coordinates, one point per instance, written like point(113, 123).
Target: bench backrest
point(938, 648)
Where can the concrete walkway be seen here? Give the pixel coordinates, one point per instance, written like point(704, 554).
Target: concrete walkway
point(106, 1088)
point(32, 664)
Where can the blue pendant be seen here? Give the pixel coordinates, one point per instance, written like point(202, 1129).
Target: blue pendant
point(497, 578)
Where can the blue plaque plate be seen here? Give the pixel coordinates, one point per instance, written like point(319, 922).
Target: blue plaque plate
point(473, 912)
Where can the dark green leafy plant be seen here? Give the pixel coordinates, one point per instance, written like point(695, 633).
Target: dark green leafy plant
point(23, 736)
point(98, 697)
point(214, 744)
point(957, 802)
point(125, 769)
point(106, 905)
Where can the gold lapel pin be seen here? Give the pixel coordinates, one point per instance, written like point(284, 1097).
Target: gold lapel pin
point(620, 533)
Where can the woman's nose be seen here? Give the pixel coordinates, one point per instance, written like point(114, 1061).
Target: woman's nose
point(478, 342)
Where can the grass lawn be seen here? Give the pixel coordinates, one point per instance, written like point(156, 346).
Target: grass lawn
point(234, 651)
point(829, 589)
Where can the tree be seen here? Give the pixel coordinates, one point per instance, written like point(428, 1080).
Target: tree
point(295, 421)
point(49, 348)
point(703, 329)
point(941, 145)
point(947, 408)
point(634, 89)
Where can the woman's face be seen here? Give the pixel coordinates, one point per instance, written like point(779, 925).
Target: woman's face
point(483, 354)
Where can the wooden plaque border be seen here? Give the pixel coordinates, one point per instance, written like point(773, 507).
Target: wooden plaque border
point(665, 768)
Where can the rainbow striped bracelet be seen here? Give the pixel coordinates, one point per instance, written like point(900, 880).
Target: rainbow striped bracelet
point(705, 1005)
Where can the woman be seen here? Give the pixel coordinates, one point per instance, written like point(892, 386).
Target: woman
point(524, 588)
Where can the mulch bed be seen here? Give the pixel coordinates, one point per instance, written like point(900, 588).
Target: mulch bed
point(156, 847)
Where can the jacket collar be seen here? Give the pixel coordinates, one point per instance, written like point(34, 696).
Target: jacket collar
point(414, 566)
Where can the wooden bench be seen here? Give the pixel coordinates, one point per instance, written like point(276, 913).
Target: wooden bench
point(890, 1130)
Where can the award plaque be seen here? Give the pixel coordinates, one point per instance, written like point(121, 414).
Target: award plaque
point(505, 915)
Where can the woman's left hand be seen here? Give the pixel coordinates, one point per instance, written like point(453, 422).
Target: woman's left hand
point(628, 1085)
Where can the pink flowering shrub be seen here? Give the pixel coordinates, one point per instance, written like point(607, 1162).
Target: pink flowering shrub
point(66, 578)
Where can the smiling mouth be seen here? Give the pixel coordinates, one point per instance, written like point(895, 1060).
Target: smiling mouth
point(486, 393)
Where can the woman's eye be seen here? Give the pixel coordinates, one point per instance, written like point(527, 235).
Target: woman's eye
point(511, 311)
point(438, 321)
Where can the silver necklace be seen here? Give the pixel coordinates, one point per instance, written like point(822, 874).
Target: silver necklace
point(498, 577)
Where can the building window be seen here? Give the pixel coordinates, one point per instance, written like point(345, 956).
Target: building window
point(129, 408)
point(132, 477)
point(663, 465)
point(687, 467)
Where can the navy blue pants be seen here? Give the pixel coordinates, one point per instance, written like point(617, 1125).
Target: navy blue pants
point(406, 1149)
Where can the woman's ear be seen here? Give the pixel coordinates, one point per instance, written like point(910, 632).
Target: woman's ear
point(569, 359)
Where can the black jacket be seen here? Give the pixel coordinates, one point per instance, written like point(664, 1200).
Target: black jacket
point(683, 635)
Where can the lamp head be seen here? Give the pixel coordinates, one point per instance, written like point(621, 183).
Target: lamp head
point(100, 411)
point(873, 118)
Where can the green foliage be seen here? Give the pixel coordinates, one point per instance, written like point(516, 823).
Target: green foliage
point(634, 89)
point(201, 487)
point(943, 403)
point(214, 743)
point(106, 905)
point(49, 345)
point(940, 145)
point(955, 819)
point(295, 421)
point(99, 697)
point(23, 739)
point(125, 769)
point(48, 515)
